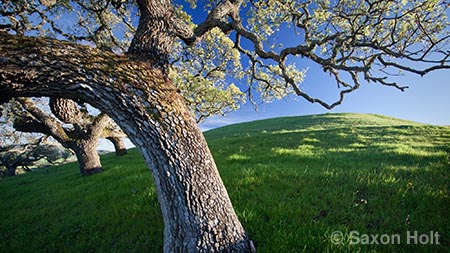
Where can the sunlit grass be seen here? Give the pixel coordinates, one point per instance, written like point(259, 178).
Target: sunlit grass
point(238, 157)
point(293, 182)
point(302, 151)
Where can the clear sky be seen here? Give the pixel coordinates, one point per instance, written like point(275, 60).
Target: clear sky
point(426, 101)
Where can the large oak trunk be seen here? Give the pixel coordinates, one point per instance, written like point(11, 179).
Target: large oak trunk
point(197, 211)
point(82, 140)
point(87, 156)
point(119, 145)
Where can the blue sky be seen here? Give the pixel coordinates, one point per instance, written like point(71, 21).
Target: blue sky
point(427, 101)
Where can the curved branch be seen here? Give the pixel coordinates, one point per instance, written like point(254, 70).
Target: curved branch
point(150, 110)
point(51, 124)
point(30, 125)
point(99, 124)
point(119, 145)
point(216, 18)
point(420, 72)
point(350, 49)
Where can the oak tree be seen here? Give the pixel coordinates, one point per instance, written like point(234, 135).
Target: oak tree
point(127, 68)
point(73, 127)
point(23, 150)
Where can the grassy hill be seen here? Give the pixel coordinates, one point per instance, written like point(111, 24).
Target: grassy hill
point(294, 181)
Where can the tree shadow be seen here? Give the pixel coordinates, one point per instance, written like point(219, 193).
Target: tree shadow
point(295, 188)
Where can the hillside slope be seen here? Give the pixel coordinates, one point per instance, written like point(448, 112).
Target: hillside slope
point(310, 123)
point(294, 182)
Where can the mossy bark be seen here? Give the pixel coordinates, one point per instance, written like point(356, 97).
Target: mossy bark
point(197, 211)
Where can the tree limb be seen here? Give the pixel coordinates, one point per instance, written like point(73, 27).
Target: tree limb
point(53, 127)
point(30, 125)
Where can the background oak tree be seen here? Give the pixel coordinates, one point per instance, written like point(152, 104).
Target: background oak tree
point(67, 122)
point(23, 150)
point(73, 127)
point(126, 71)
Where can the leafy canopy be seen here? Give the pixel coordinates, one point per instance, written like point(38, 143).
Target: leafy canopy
point(261, 42)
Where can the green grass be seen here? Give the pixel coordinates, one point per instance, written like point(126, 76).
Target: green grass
point(293, 182)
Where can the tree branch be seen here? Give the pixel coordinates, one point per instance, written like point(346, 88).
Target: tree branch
point(53, 127)
point(216, 18)
point(98, 125)
point(45, 67)
point(30, 125)
point(420, 72)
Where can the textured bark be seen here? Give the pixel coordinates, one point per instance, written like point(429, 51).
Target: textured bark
point(65, 110)
point(197, 211)
point(156, 15)
point(85, 138)
point(119, 145)
point(87, 156)
point(83, 142)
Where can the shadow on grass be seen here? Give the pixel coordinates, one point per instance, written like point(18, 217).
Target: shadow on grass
point(293, 190)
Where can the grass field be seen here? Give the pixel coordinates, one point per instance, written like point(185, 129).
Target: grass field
point(293, 181)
